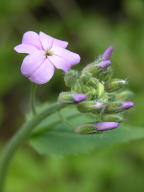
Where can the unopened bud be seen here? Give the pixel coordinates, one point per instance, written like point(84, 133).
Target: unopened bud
point(92, 68)
point(70, 78)
point(107, 53)
point(67, 97)
point(115, 84)
point(100, 89)
point(85, 129)
point(126, 105)
point(105, 126)
point(78, 97)
point(105, 75)
point(86, 79)
point(124, 95)
point(116, 107)
point(77, 87)
point(96, 67)
point(93, 128)
point(90, 106)
point(113, 107)
point(113, 117)
point(104, 64)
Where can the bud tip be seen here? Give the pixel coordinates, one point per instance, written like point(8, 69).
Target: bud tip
point(104, 126)
point(93, 128)
point(78, 97)
point(107, 53)
point(127, 105)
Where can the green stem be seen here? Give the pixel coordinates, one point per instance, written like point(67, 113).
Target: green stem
point(33, 98)
point(22, 134)
point(64, 120)
point(43, 129)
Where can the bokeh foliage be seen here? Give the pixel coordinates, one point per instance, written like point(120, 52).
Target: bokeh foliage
point(89, 29)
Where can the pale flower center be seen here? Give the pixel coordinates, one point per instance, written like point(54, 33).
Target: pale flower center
point(48, 53)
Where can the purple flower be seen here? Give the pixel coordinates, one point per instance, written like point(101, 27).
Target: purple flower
point(127, 105)
point(45, 54)
point(108, 52)
point(104, 64)
point(78, 97)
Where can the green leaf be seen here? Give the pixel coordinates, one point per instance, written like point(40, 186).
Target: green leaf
point(67, 142)
point(55, 137)
point(73, 116)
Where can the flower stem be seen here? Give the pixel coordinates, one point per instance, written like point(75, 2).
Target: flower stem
point(33, 98)
point(22, 134)
point(52, 124)
point(64, 120)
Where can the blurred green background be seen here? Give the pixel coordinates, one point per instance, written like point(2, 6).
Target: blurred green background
point(89, 26)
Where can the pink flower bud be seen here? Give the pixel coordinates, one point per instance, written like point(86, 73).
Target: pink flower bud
point(104, 64)
point(104, 126)
point(78, 97)
point(127, 105)
point(68, 97)
point(108, 52)
point(93, 128)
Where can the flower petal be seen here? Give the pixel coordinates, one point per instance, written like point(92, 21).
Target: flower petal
point(107, 53)
point(60, 43)
point(48, 41)
point(104, 126)
point(32, 38)
point(59, 62)
point(63, 58)
point(32, 62)
point(44, 73)
point(25, 48)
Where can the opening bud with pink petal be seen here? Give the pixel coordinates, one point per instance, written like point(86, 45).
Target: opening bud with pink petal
point(68, 97)
point(126, 105)
point(90, 106)
point(107, 53)
point(104, 64)
point(96, 127)
point(116, 107)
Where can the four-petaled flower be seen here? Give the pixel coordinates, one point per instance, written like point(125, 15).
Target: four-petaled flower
point(45, 54)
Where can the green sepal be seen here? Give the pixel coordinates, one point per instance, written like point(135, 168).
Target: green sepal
point(90, 106)
point(71, 77)
point(112, 117)
point(115, 84)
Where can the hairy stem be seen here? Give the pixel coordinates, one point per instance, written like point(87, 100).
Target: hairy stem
point(22, 134)
point(33, 98)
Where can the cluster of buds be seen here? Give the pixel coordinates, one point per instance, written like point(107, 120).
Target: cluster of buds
point(95, 91)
